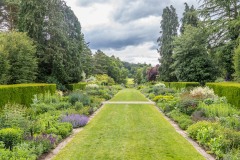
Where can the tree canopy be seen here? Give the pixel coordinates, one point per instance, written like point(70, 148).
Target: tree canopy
point(169, 26)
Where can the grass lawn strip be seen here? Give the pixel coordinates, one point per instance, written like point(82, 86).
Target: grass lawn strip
point(61, 145)
point(129, 132)
point(129, 95)
point(184, 134)
point(128, 102)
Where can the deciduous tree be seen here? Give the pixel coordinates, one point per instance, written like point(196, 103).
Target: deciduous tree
point(20, 63)
point(192, 61)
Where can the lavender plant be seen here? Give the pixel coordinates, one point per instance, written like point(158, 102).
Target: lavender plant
point(76, 120)
point(47, 141)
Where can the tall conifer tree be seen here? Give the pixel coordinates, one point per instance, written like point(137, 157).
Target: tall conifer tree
point(190, 17)
point(169, 26)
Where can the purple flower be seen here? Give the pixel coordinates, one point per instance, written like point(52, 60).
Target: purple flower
point(76, 120)
point(43, 137)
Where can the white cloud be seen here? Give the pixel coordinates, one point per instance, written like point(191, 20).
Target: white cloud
point(126, 29)
point(136, 54)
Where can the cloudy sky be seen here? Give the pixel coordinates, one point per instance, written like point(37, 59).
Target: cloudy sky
point(127, 29)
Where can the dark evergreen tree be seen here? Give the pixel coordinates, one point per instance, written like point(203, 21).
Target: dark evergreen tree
point(57, 32)
point(100, 63)
point(9, 10)
point(138, 76)
point(169, 26)
point(190, 17)
point(87, 59)
point(236, 61)
point(4, 67)
point(222, 20)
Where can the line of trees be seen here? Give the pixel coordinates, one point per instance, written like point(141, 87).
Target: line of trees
point(207, 46)
point(42, 41)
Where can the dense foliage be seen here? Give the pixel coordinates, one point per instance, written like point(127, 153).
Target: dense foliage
point(169, 25)
point(208, 40)
point(17, 56)
point(208, 119)
point(192, 62)
point(28, 132)
point(49, 46)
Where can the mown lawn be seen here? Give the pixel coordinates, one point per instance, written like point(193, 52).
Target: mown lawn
point(129, 95)
point(130, 132)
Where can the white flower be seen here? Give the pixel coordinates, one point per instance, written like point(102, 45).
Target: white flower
point(92, 86)
point(204, 92)
point(160, 85)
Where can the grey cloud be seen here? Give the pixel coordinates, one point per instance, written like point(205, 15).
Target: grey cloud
point(154, 47)
point(130, 34)
point(132, 10)
point(104, 38)
point(89, 2)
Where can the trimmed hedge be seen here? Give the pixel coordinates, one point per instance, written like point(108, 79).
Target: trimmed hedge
point(75, 86)
point(228, 89)
point(179, 85)
point(23, 93)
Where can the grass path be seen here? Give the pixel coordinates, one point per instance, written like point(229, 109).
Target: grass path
point(128, 132)
point(129, 95)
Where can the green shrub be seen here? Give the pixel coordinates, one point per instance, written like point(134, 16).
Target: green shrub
point(78, 106)
point(62, 105)
point(232, 122)
point(47, 98)
point(5, 154)
point(232, 138)
point(193, 129)
point(20, 152)
point(42, 143)
point(179, 85)
point(61, 129)
point(168, 106)
point(23, 93)
point(229, 90)
point(162, 98)
point(79, 97)
point(48, 120)
point(85, 110)
point(104, 79)
point(14, 116)
point(232, 155)
point(76, 86)
point(43, 108)
point(24, 151)
point(183, 120)
point(188, 105)
point(10, 137)
point(151, 96)
point(217, 110)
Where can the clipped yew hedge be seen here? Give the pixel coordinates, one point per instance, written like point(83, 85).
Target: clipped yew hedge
point(228, 89)
point(75, 86)
point(179, 85)
point(23, 93)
